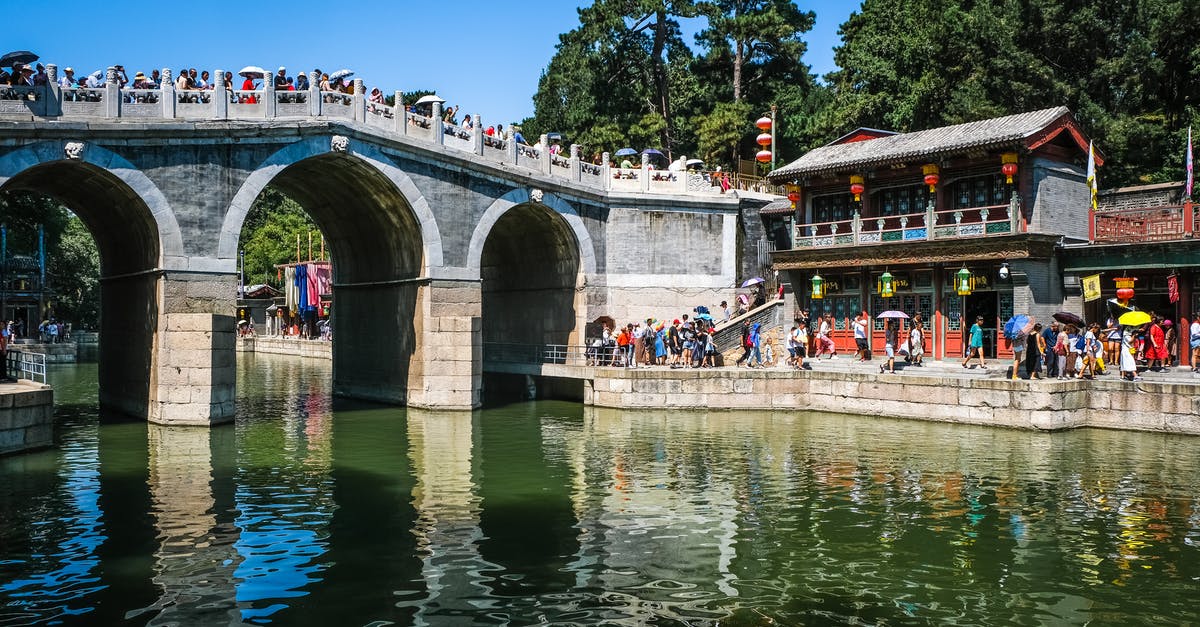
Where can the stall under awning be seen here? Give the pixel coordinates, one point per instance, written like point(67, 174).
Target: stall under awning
point(947, 252)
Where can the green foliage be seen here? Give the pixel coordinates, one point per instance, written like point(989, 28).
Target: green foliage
point(720, 132)
point(73, 272)
point(269, 236)
point(1122, 67)
point(72, 260)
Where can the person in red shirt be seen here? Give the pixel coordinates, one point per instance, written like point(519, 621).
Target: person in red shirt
point(248, 85)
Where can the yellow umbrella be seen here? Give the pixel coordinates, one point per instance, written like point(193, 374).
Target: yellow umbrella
point(1134, 318)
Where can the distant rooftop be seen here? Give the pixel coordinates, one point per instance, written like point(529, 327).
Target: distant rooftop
point(936, 142)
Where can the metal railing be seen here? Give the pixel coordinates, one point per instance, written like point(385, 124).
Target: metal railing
point(567, 354)
point(26, 365)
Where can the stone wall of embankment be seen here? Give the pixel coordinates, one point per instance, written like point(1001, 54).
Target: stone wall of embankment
point(1041, 405)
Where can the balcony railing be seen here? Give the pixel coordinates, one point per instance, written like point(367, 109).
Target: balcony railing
point(1150, 224)
point(947, 224)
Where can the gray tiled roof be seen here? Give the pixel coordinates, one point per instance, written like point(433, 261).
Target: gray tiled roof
point(934, 142)
point(775, 207)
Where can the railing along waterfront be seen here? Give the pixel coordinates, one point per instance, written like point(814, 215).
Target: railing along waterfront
point(1149, 224)
point(26, 365)
point(218, 102)
point(946, 224)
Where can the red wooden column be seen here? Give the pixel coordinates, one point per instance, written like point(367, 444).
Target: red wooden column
point(1189, 218)
point(937, 332)
point(1186, 313)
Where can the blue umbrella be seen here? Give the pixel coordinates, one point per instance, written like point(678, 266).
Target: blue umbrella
point(625, 152)
point(704, 317)
point(1015, 325)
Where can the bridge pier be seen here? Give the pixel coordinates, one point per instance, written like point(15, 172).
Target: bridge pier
point(194, 372)
point(447, 368)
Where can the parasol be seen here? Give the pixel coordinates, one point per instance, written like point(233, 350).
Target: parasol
point(1017, 324)
point(342, 73)
point(1067, 317)
point(691, 162)
point(1134, 318)
point(252, 71)
point(753, 281)
point(892, 314)
point(429, 99)
point(18, 56)
point(625, 152)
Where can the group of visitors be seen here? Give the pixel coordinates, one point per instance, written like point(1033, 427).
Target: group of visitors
point(1066, 350)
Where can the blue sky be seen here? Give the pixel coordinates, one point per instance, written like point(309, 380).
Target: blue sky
point(483, 55)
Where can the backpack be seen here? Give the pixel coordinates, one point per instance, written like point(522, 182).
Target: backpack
point(1081, 343)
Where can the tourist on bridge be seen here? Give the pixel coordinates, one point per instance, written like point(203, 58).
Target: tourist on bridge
point(891, 330)
point(862, 349)
point(747, 344)
point(916, 341)
point(1049, 342)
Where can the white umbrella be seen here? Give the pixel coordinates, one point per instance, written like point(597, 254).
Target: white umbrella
point(252, 71)
point(695, 162)
point(342, 73)
point(431, 98)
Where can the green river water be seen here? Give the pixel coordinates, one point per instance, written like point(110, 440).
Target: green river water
point(314, 511)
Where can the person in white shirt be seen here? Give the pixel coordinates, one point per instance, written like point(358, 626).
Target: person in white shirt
point(1194, 342)
point(860, 336)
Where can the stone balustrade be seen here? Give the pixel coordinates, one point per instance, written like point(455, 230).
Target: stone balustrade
point(221, 103)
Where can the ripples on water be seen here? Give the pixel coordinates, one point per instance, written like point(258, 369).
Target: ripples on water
point(309, 512)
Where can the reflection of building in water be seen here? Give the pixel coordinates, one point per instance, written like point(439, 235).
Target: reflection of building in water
point(662, 519)
point(447, 525)
point(193, 564)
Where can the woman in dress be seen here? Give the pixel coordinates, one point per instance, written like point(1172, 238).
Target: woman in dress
point(1156, 349)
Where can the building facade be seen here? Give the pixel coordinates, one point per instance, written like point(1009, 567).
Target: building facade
point(952, 223)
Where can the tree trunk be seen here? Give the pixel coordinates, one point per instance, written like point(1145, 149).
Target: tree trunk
point(660, 78)
point(737, 71)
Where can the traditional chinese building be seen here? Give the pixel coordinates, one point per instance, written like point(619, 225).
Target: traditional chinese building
point(1144, 233)
point(953, 223)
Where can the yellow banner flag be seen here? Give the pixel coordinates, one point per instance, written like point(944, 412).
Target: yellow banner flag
point(1091, 288)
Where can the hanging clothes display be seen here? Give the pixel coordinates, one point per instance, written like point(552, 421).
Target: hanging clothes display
point(314, 290)
point(290, 293)
point(301, 282)
point(324, 274)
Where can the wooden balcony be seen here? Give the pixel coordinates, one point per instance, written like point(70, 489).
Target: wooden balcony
point(1149, 224)
point(928, 225)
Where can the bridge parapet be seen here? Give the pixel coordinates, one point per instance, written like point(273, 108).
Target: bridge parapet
point(165, 102)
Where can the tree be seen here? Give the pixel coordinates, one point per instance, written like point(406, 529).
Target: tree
point(750, 38)
point(73, 273)
point(269, 235)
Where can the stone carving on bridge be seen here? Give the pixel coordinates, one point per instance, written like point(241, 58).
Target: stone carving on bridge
point(536, 195)
point(73, 150)
point(339, 143)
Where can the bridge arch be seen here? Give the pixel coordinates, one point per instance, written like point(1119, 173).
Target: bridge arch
point(137, 236)
point(533, 255)
point(383, 240)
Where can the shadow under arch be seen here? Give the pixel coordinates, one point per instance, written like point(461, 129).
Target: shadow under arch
point(115, 205)
point(533, 259)
point(379, 255)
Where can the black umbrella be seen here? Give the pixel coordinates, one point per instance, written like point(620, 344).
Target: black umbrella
point(1067, 317)
point(18, 56)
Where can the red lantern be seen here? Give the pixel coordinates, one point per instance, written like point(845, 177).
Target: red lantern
point(794, 197)
point(931, 176)
point(764, 123)
point(856, 187)
point(1009, 159)
point(763, 156)
point(764, 139)
point(1125, 293)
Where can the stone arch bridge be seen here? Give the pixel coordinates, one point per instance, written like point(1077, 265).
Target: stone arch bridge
point(442, 239)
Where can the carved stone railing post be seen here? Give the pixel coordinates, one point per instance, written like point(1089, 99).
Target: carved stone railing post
point(439, 132)
point(544, 156)
point(856, 226)
point(359, 101)
point(606, 170)
point(1014, 212)
point(53, 92)
point(511, 144)
point(270, 102)
point(399, 114)
point(112, 93)
point(220, 96)
point(477, 134)
point(167, 92)
point(644, 175)
point(574, 165)
point(314, 93)
point(930, 219)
